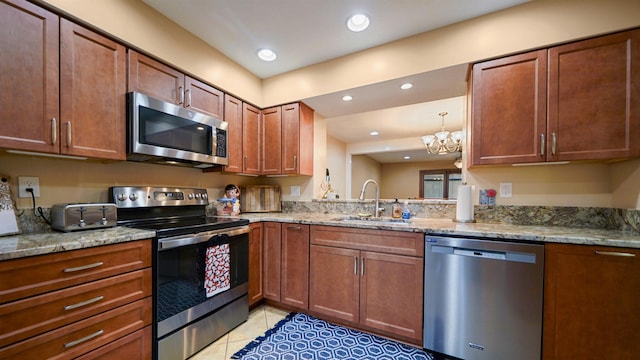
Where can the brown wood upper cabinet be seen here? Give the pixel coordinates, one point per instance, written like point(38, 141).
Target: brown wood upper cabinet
point(577, 101)
point(287, 140)
point(243, 136)
point(591, 303)
point(63, 86)
point(163, 82)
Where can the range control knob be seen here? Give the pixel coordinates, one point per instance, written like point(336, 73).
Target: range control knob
point(122, 197)
point(190, 196)
point(197, 196)
point(133, 197)
point(204, 196)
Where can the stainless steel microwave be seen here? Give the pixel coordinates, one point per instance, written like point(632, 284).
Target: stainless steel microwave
point(163, 133)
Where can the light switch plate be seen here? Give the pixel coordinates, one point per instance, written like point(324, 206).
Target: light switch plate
point(295, 191)
point(506, 190)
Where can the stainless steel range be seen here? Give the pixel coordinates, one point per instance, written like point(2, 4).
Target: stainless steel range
point(200, 266)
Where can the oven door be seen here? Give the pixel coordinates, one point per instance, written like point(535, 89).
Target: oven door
point(198, 274)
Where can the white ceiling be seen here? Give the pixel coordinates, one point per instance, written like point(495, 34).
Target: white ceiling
point(306, 32)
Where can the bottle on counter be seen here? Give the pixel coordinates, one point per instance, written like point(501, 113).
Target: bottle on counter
point(396, 210)
point(406, 214)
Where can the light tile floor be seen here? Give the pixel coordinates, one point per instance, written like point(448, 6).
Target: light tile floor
point(260, 320)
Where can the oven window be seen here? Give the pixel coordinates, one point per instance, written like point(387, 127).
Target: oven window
point(181, 273)
point(169, 131)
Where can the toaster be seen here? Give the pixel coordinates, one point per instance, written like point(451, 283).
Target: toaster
point(83, 216)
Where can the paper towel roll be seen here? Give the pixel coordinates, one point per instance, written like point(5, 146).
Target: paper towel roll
point(464, 206)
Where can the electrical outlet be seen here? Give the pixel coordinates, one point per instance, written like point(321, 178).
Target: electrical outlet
point(295, 191)
point(505, 190)
point(25, 182)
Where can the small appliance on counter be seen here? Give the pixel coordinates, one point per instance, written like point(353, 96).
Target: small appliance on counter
point(260, 198)
point(83, 216)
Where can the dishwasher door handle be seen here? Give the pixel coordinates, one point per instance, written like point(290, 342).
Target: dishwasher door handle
point(485, 254)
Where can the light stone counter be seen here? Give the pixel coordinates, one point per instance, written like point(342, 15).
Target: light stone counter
point(18, 246)
point(554, 234)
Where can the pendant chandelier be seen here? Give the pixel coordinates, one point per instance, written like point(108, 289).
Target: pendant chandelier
point(443, 142)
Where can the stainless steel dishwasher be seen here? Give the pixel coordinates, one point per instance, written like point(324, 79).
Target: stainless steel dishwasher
point(483, 298)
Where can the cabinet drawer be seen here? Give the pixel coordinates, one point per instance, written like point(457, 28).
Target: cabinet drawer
point(384, 241)
point(35, 315)
point(83, 336)
point(31, 276)
point(135, 346)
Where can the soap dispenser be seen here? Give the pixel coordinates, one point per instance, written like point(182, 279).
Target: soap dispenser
point(406, 214)
point(396, 211)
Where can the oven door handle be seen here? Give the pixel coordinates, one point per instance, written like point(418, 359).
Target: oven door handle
point(184, 240)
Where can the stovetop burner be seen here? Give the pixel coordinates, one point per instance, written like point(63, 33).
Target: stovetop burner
point(168, 211)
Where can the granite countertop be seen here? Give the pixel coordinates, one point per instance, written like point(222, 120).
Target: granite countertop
point(18, 246)
point(553, 234)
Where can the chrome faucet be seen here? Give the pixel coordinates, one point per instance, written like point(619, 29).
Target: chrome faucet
point(364, 187)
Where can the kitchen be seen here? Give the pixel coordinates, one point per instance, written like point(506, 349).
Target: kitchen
point(583, 185)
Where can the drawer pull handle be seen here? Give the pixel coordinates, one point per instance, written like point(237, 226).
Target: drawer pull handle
point(86, 338)
point(615, 253)
point(294, 228)
point(83, 303)
point(83, 267)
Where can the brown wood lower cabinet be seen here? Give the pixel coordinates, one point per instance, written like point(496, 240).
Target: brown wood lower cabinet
point(377, 290)
point(591, 302)
point(255, 264)
point(89, 303)
point(286, 263)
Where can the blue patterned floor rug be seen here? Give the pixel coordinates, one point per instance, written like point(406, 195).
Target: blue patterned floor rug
point(299, 336)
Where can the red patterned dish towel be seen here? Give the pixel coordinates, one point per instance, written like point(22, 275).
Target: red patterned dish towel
point(216, 274)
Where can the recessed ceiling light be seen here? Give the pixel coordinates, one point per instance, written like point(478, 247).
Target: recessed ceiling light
point(407, 157)
point(406, 86)
point(358, 22)
point(267, 54)
point(374, 133)
point(347, 98)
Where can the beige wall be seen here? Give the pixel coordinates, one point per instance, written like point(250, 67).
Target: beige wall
point(336, 163)
point(364, 168)
point(402, 180)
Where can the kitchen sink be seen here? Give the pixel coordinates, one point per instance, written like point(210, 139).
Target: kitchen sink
point(371, 220)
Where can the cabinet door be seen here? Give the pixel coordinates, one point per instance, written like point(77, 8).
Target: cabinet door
point(295, 265)
point(334, 282)
point(29, 64)
point(271, 141)
point(509, 109)
point(255, 263)
point(251, 140)
point(155, 79)
point(591, 307)
point(297, 139)
point(271, 260)
point(233, 116)
point(93, 88)
point(203, 98)
point(594, 98)
point(391, 293)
